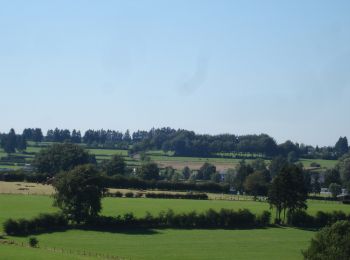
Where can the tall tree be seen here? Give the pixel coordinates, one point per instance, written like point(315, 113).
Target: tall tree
point(243, 170)
point(116, 165)
point(149, 171)
point(61, 157)
point(79, 192)
point(206, 171)
point(341, 147)
point(287, 191)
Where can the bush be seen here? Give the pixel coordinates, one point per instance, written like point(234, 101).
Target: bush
point(193, 196)
point(300, 218)
point(264, 218)
point(129, 194)
point(33, 242)
point(41, 223)
point(330, 243)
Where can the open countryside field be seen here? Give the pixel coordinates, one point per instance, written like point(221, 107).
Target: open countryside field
point(164, 159)
point(270, 243)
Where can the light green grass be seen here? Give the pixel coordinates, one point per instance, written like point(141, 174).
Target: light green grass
point(14, 206)
point(270, 243)
point(10, 252)
point(328, 164)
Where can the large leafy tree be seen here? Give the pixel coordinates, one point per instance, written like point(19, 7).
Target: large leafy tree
point(116, 165)
point(243, 170)
point(342, 146)
point(149, 171)
point(256, 184)
point(288, 191)
point(61, 157)
point(79, 192)
point(330, 243)
point(10, 142)
point(206, 171)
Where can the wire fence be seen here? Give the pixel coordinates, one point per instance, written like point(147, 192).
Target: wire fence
point(65, 251)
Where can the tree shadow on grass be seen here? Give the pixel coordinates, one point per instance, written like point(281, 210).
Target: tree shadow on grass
point(127, 231)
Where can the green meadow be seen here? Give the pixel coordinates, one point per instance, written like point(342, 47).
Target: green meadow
point(269, 243)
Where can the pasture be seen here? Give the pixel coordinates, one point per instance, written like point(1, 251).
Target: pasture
point(164, 159)
point(270, 243)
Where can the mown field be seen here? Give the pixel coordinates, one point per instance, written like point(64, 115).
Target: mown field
point(270, 243)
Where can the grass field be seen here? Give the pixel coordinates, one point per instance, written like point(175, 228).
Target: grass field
point(323, 163)
point(270, 243)
point(164, 159)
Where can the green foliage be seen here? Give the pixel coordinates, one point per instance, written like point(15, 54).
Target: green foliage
point(116, 165)
point(256, 184)
point(330, 243)
point(206, 171)
point(335, 189)
point(186, 172)
point(341, 147)
point(288, 191)
point(149, 171)
point(33, 242)
point(243, 170)
point(43, 222)
point(344, 169)
point(79, 193)
point(61, 157)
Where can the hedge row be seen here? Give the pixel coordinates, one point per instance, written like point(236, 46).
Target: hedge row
point(225, 218)
point(41, 223)
point(191, 196)
point(122, 182)
point(161, 195)
point(321, 219)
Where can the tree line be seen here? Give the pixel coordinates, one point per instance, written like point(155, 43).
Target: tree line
point(182, 143)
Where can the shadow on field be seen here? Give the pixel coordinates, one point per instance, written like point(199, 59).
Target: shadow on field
point(127, 231)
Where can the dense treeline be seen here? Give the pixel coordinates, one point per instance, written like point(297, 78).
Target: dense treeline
point(185, 143)
point(225, 218)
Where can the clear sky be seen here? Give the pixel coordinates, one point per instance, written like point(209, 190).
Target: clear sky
point(275, 67)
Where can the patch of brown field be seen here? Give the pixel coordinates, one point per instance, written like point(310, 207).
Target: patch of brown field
point(25, 188)
point(40, 189)
point(194, 165)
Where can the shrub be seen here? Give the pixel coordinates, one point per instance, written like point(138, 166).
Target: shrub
point(33, 242)
point(330, 243)
point(300, 218)
point(118, 194)
point(129, 194)
point(264, 218)
point(43, 222)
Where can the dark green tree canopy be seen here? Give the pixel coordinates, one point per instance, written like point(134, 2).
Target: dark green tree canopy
point(206, 171)
point(342, 146)
point(10, 142)
point(288, 190)
point(61, 157)
point(331, 243)
point(79, 192)
point(116, 165)
point(149, 171)
point(344, 169)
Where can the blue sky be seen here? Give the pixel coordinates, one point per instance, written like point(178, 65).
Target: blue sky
point(275, 67)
